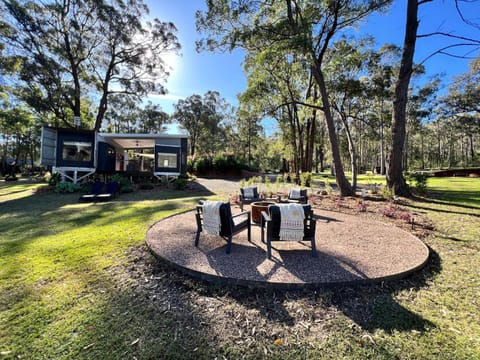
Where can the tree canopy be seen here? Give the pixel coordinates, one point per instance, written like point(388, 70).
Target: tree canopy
point(74, 51)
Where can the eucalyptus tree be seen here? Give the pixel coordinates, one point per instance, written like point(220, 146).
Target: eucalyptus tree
point(279, 87)
point(348, 92)
point(395, 179)
point(305, 27)
point(151, 118)
point(381, 68)
point(20, 135)
point(464, 93)
point(202, 117)
point(122, 114)
point(462, 105)
point(421, 109)
point(73, 50)
point(248, 129)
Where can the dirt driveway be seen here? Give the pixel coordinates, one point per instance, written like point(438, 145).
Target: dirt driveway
point(220, 186)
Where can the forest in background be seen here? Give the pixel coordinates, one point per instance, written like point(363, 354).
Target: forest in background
point(332, 95)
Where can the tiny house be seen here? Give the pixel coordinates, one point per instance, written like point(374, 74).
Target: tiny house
point(77, 153)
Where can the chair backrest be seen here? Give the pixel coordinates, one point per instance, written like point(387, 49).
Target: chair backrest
point(253, 189)
point(274, 212)
point(112, 187)
point(302, 194)
point(97, 187)
point(226, 219)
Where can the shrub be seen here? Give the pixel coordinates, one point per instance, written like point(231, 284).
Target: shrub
point(396, 213)
point(420, 182)
point(362, 207)
point(305, 179)
point(200, 165)
point(386, 192)
point(220, 162)
point(328, 187)
point(180, 183)
point(67, 187)
point(190, 165)
point(124, 183)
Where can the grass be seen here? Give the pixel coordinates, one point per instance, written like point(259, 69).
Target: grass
point(76, 283)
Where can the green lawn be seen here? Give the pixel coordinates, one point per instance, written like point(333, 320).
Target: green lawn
point(76, 282)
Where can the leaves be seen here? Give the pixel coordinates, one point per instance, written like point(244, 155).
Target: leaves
point(83, 51)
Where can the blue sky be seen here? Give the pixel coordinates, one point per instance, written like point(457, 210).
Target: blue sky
point(195, 73)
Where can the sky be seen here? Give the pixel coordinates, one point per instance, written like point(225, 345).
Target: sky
point(197, 73)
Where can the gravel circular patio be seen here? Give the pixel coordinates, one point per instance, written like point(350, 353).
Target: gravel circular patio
point(351, 250)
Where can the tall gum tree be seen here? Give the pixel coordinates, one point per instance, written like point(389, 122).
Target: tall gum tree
point(395, 179)
point(305, 27)
point(77, 50)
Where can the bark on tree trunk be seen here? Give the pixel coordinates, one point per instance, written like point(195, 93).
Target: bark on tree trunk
point(353, 153)
point(342, 182)
point(395, 179)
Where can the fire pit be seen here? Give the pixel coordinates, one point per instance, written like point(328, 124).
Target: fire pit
point(257, 208)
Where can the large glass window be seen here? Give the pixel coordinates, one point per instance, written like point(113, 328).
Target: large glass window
point(166, 160)
point(77, 151)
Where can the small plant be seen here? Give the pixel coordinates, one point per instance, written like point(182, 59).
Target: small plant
point(387, 193)
point(180, 183)
point(420, 182)
point(294, 178)
point(305, 179)
point(268, 186)
point(396, 213)
point(279, 180)
point(389, 211)
point(362, 207)
point(328, 187)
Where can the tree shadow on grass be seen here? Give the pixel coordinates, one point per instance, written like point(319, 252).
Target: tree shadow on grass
point(450, 198)
point(371, 307)
point(38, 203)
point(374, 307)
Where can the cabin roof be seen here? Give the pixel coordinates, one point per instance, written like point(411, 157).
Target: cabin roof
point(142, 141)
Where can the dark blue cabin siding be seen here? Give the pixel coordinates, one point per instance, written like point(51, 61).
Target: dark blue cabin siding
point(184, 145)
point(106, 157)
point(75, 149)
point(171, 150)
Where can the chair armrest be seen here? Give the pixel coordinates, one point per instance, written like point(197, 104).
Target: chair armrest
point(241, 221)
point(266, 216)
point(241, 213)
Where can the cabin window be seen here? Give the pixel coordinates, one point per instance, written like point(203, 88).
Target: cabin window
point(166, 160)
point(77, 151)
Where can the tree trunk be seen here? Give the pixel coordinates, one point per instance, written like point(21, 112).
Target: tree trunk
point(395, 179)
point(353, 153)
point(342, 182)
point(311, 129)
point(102, 109)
